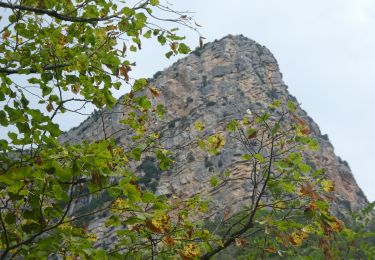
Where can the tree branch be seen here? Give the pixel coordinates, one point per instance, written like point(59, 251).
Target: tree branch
point(57, 15)
point(30, 70)
point(250, 223)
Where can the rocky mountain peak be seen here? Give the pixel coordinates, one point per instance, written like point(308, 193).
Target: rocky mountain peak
point(215, 84)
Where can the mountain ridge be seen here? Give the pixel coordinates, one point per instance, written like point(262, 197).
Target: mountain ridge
point(215, 84)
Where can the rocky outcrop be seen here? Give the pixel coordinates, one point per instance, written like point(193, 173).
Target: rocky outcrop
point(216, 84)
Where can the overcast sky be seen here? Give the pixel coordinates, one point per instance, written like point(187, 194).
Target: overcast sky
point(326, 52)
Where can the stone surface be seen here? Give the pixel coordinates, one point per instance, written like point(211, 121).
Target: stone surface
point(216, 84)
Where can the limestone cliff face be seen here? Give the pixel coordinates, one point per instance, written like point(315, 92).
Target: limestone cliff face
point(216, 84)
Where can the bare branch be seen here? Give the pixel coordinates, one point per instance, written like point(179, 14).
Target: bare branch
point(57, 15)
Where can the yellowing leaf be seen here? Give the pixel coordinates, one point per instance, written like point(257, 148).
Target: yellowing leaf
point(154, 135)
point(159, 224)
point(165, 220)
point(328, 185)
point(154, 225)
point(216, 141)
point(174, 46)
point(190, 252)
point(154, 91)
point(66, 227)
point(279, 205)
point(297, 238)
point(75, 88)
point(92, 237)
point(308, 229)
point(119, 203)
point(271, 250)
point(337, 225)
point(199, 126)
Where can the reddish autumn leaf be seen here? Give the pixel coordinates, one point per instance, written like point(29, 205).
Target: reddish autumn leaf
point(6, 34)
point(240, 241)
point(168, 240)
point(308, 190)
point(50, 107)
point(38, 160)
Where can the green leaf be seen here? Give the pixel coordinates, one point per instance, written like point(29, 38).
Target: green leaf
point(136, 153)
point(275, 129)
point(251, 133)
point(53, 129)
point(232, 125)
point(58, 191)
point(246, 157)
point(148, 197)
point(133, 48)
point(164, 161)
point(3, 118)
point(139, 84)
point(275, 104)
point(262, 118)
point(10, 218)
point(162, 40)
point(169, 54)
point(147, 35)
point(214, 181)
point(133, 220)
point(131, 192)
point(183, 48)
point(128, 11)
point(113, 221)
point(314, 144)
point(140, 20)
point(143, 102)
point(291, 106)
point(317, 173)
point(259, 157)
point(322, 205)
point(160, 110)
point(304, 167)
point(3, 144)
point(91, 11)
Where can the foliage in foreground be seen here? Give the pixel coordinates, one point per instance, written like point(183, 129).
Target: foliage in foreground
point(75, 53)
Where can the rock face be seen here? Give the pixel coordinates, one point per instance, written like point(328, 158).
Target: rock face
point(216, 84)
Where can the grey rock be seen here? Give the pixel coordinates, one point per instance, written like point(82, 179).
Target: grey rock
point(216, 84)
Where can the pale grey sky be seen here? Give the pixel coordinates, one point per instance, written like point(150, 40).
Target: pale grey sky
point(326, 52)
